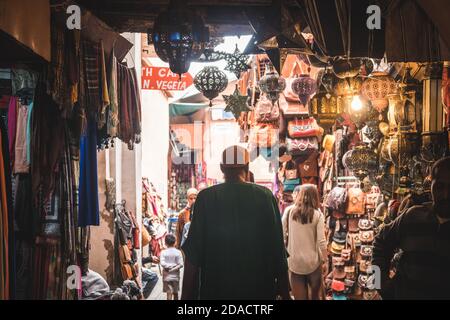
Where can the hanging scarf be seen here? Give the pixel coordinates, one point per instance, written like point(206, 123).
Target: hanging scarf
point(7, 194)
point(113, 111)
point(12, 121)
point(104, 89)
point(88, 209)
point(47, 142)
point(4, 228)
point(92, 73)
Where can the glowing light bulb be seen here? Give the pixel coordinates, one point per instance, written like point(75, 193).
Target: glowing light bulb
point(357, 104)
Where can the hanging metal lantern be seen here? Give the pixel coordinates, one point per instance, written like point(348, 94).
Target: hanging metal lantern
point(325, 107)
point(346, 68)
point(348, 87)
point(210, 81)
point(361, 161)
point(405, 114)
point(328, 80)
point(304, 86)
point(237, 63)
point(272, 84)
point(377, 87)
point(179, 36)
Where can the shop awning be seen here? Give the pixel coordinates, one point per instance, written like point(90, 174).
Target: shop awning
point(185, 109)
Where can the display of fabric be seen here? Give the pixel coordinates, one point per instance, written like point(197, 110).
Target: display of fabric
point(4, 228)
point(20, 153)
point(88, 187)
point(91, 56)
point(113, 110)
point(12, 121)
point(129, 106)
point(104, 95)
point(47, 141)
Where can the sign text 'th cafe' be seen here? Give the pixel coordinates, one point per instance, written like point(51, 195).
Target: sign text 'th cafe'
point(161, 78)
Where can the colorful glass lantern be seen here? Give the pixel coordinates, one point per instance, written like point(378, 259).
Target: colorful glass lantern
point(377, 87)
point(210, 81)
point(304, 86)
point(272, 84)
point(179, 36)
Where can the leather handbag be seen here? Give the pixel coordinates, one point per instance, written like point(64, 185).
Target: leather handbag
point(124, 254)
point(338, 286)
point(371, 295)
point(346, 254)
point(310, 180)
point(264, 135)
point(289, 185)
point(365, 281)
point(356, 201)
point(372, 199)
point(339, 272)
point(353, 225)
point(136, 238)
point(364, 265)
point(338, 262)
point(302, 146)
point(353, 240)
point(336, 248)
point(365, 224)
point(266, 111)
point(127, 271)
point(336, 199)
point(366, 236)
point(291, 174)
point(291, 109)
point(145, 237)
point(366, 252)
point(338, 214)
point(303, 128)
point(309, 167)
point(340, 237)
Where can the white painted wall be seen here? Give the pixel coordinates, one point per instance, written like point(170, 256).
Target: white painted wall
point(155, 140)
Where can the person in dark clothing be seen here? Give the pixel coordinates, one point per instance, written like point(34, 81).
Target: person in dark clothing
point(235, 244)
point(423, 235)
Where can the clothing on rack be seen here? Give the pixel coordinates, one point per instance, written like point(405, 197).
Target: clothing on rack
point(88, 187)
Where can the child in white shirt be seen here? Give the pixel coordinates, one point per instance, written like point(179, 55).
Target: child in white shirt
point(171, 262)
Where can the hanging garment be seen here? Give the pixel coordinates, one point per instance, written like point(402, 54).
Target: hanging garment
point(113, 110)
point(20, 163)
point(129, 106)
point(88, 188)
point(124, 101)
point(28, 134)
point(9, 205)
point(136, 105)
point(92, 73)
point(47, 142)
point(104, 89)
point(12, 121)
point(4, 228)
